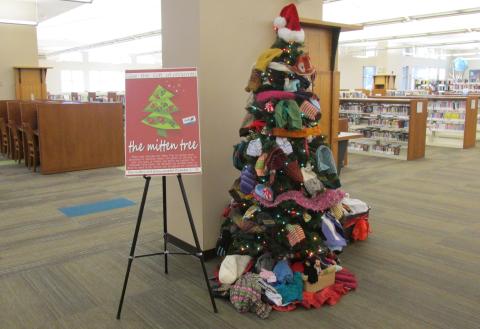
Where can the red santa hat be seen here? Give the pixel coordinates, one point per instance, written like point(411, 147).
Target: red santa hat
point(288, 25)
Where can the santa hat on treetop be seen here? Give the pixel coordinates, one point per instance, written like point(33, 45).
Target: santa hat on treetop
point(288, 25)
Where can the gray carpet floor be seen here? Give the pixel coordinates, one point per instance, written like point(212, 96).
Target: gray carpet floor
point(419, 269)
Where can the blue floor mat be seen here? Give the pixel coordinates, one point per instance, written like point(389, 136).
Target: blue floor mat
point(91, 208)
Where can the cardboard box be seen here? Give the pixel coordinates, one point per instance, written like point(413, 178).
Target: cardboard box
point(325, 279)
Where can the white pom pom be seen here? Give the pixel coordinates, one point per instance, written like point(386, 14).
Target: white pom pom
point(299, 36)
point(279, 22)
point(285, 34)
point(291, 36)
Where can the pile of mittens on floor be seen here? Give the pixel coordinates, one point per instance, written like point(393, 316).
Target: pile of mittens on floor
point(265, 284)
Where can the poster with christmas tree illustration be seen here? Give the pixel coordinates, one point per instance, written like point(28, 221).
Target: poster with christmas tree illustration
point(162, 135)
point(160, 111)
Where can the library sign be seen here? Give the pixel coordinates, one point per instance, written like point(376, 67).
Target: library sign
point(162, 134)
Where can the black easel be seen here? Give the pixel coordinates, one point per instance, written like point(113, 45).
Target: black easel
point(165, 252)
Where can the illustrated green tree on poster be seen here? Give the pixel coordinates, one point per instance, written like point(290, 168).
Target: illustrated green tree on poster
point(160, 109)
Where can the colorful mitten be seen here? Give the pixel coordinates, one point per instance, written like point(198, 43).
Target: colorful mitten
point(276, 159)
point(310, 180)
point(310, 111)
point(254, 148)
point(247, 180)
point(325, 162)
point(260, 165)
point(255, 81)
point(264, 192)
point(293, 171)
point(295, 234)
point(284, 144)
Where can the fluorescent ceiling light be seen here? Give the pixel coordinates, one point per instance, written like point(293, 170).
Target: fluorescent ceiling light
point(82, 1)
point(17, 22)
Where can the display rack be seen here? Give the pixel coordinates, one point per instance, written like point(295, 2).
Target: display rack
point(392, 128)
point(452, 121)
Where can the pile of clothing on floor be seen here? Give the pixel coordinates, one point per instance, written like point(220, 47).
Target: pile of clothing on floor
point(265, 284)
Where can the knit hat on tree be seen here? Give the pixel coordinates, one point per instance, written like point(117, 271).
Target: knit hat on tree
point(288, 25)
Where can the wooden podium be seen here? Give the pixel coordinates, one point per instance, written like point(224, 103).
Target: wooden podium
point(321, 42)
point(30, 82)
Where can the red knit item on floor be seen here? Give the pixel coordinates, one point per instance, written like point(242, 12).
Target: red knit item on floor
point(346, 278)
point(361, 230)
point(329, 295)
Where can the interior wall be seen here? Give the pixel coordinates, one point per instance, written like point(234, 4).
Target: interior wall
point(18, 48)
point(351, 67)
point(224, 47)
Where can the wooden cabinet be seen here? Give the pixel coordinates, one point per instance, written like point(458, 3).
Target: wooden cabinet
point(30, 83)
point(382, 83)
point(321, 42)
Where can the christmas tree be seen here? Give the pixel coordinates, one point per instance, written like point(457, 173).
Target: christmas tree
point(287, 200)
point(160, 109)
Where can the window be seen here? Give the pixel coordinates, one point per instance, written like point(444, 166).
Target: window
point(104, 81)
point(368, 73)
point(72, 80)
point(405, 79)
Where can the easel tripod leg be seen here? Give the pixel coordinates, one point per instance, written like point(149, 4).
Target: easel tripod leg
point(165, 230)
point(197, 243)
point(134, 244)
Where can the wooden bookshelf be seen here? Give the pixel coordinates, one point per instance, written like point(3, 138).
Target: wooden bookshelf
point(458, 129)
point(392, 127)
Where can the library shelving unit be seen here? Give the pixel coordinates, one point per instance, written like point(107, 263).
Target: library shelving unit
point(392, 128)
point(452, 121)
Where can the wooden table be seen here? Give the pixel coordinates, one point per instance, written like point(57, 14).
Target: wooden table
point(342, 140)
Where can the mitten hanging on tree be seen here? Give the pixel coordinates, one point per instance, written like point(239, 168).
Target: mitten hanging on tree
point(255, 81)
point(284, 145)
point(276, 159)
point(247, 180)
point(337, 211)
point(264, 192)
point(293, 171)
point(260, 165)
point(310, 111)
point(254, 148)
point(295, 234)
point(310, 180)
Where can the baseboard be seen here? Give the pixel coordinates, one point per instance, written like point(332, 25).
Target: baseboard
point(207, 254)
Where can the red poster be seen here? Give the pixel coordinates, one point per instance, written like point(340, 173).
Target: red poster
point(162, 134)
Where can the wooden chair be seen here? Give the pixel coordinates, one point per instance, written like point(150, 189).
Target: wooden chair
point(4, 140)
point(17, 141)
point(33, 154)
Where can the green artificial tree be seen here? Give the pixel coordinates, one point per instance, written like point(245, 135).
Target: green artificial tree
point(160, 109)
point(288, 183)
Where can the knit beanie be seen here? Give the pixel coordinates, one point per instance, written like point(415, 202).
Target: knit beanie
point(232, 268)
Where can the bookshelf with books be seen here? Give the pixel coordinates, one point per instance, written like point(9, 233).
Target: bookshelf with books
point(392, 128)
point(452, 121)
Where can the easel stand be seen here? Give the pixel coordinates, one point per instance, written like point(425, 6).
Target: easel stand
point(165, 252)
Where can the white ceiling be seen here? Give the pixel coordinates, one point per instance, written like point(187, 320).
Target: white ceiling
point(34, 11)
point(394, 35)
point(101, 21)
